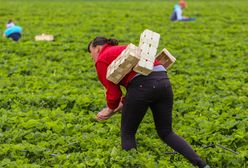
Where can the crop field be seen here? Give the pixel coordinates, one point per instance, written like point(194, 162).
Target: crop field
point(50, 93)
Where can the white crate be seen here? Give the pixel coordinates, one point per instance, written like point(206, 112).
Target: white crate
point(148, 44)
point(44, 37)
point(123, 64)
point(165, 58)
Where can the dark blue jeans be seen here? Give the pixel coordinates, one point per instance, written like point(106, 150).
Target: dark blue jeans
point(15, 36)
point(153, 91)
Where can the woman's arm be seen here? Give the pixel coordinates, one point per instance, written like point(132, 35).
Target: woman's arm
point(113, 91)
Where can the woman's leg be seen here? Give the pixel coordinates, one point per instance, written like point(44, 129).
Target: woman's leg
point(15, 36)
point(162, 113)
point(133, 112)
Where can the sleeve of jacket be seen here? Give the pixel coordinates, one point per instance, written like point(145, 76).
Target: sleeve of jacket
point(113, 91)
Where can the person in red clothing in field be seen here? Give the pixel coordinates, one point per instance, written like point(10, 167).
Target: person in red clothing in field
point(153, 90)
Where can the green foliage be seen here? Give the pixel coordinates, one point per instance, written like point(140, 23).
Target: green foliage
point(49, 91)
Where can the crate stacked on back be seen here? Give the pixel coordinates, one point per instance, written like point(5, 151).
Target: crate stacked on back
point(140, 59)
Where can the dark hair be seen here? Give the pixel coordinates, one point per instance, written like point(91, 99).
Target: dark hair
point(10, 21)
point(101, 41)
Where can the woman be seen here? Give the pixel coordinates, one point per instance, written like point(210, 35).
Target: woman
point(13, 31)
point(178, 11)
point(152, 91)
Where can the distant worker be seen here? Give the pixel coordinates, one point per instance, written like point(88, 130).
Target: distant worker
point(177, 14)
point(14, 32)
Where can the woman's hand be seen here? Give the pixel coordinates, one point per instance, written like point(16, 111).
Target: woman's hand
point(104, 114)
